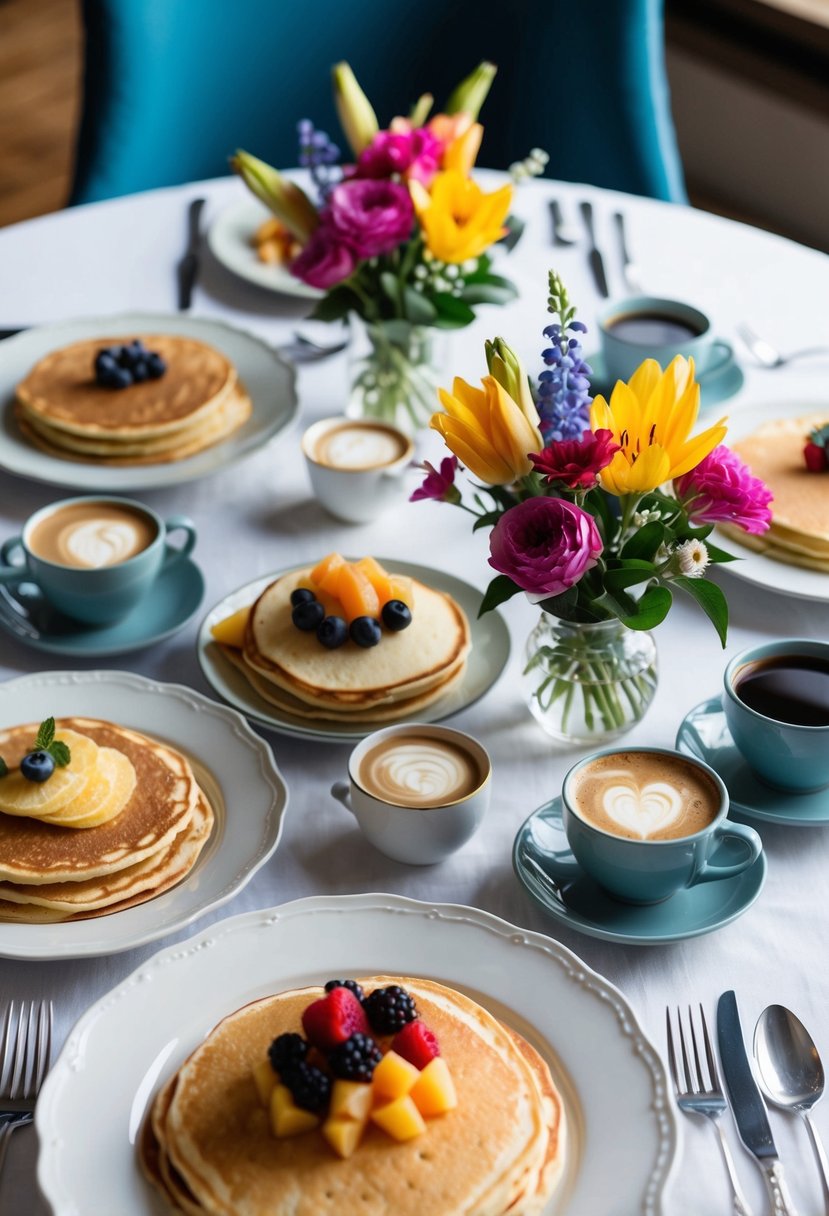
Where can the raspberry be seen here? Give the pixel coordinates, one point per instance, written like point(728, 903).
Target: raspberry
point(815, 457)
point(333, 1019)
point(356, 1058)
point(351, 985)
point(286, 1050)
point(310, 1087)
point(389, 1009)
point(416, 1043)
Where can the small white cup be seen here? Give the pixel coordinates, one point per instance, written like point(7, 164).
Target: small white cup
point(359, 493)
point(418, 836)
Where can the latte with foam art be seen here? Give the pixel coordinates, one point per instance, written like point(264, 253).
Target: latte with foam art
point(356, 447)
point(419, 771)
point(645, 796)
point(90, 535)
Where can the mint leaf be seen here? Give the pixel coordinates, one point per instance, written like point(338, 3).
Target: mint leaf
point(45, 735)
point(4, 768)
point(59, 752)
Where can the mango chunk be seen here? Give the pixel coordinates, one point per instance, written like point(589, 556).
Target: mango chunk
point(400, 1119)
point(265, 1081)
point(356, 593)
point(231, 631)
point(324, 575)
point(394, 1077)
point(343, 1135)
point(351, 1100)
point(288, 1119)
point(379, 578)
point(434, 1090)
point(401, 588)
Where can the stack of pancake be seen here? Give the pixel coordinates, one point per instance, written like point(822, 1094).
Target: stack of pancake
point(799, 532)
point(198, 402)
point(406, 672)
point(208, 1147)
point(51, 871)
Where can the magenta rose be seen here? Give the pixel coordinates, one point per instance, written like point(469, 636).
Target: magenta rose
point(372, 217)
point(410, 154)
point(723, 490)
point(325, 261)
point(544, 545)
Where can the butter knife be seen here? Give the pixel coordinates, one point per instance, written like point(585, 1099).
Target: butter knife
point(594, 257)
point(747, 1105)
point(188, 267)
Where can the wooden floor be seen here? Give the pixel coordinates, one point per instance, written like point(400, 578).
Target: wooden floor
point(40, 67)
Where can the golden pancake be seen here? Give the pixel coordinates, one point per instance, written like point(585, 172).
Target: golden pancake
point(790, 554)
point(160, 807)
point(402, 665)
point(500, 1151)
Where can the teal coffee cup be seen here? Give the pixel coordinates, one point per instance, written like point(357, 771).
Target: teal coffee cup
point(647, 822)
point(94, 558)
point(774, 698)
point(646, 327)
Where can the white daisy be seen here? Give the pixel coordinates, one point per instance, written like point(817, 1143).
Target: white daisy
point(692, 558)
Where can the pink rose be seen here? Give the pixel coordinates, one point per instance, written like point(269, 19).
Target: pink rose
point(372, 217)
point(544, 545)
point(410, 154)
point(722, 489)
point(325, 261)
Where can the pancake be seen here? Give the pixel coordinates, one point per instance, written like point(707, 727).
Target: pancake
point(160, 807)
point(403, 665)
point(500, 1151)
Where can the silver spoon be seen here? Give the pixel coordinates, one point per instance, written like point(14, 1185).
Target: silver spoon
point(564, 233)
point(769, 356)
point(791, 1073)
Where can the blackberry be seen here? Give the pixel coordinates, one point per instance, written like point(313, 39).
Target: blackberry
point(352, 985)
point(287, 1050)
point(389, 1009)
point(310, 1087)
point(356, 1058)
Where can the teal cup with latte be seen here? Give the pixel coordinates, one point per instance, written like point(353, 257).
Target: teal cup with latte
point(648, 327)
point(647, 822)
point(94, 558)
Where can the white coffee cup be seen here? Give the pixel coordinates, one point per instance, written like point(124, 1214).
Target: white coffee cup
point(356, 466)
point(417, 834)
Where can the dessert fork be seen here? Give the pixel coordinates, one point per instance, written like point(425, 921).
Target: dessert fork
point(768, 355)
point(696, 1095)
point(24, 1062)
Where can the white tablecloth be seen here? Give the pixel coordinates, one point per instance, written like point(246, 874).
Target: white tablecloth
point(258, 517)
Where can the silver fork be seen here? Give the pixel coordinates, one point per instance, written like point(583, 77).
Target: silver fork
point(24, 1062)
point(696, 1095)
point(768, 355)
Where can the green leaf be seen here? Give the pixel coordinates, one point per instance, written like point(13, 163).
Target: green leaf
point(498, 592)
point(486, 521)
point(4, 768)
point(515, 230)
point(644, 543)
point(335, 305)
point(45, 735)
point(710, 599)
point(417, 308)
point(564, 606)
point(391, 286)
point(718, 556)
point(488, 293)
point(645, 613)
point(629, 575)
point(60, 753)
point(451, 312)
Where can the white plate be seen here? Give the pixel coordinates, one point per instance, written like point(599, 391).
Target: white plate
point(754, 567)
point(230, 239)
point(490, 651)
point(235, 767)
point(622, 1128)
point(268, 379)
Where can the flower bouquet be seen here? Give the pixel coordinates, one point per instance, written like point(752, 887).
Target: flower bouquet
point(398, 237)
point(600, 510)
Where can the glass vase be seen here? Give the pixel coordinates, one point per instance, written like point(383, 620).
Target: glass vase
point(588, 683)
point(395, 370)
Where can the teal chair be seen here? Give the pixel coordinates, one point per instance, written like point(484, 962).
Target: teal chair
point(172, 87)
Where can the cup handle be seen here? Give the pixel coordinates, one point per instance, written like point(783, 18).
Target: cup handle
point(342, 792)
point(174, 524)
point(11, 571)
point(736, 831)
point(722, 355)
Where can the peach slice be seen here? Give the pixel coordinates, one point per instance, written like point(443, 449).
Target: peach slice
point(343, 1135)
point(434, 1091)
point(355, 593)
point(401, 588)
point(394, 1077)
point(265, 1081)
point(325, 573)
point(400, 1119)
point(288, 1119)
point(231, 631)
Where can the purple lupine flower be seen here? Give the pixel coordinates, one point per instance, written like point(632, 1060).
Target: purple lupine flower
point(564, 386)
point(319, 154)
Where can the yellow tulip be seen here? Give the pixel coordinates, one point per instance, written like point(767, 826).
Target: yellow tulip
point(458, 219)
point(487, 431)
point(290, 204)
point(461, 153)
point(470, 94)
point(651, 418)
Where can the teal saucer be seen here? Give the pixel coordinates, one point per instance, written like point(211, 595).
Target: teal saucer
point(717, 385)
point(545, 866)
point(174, 599)
point(704, 734)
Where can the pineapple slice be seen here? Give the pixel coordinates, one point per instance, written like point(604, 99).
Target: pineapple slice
point(394, 1077)
point(231, 631)
point(264, 1078)
point(399, 1119)
point(434, 1091)
point(288, 1119)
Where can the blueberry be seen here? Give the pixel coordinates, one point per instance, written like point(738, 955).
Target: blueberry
point(123, 355)
point(333, 632)
point(155, 365)
point(104, 360)
point(308, 616)
point(37, 766)
point(396, 615)
point(365, 631)
point(117, 377)
point(302, 595)
point(140, 371)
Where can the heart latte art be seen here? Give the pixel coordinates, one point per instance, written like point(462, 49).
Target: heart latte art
point(418, 771)
point(92, 534)
point(645, 796)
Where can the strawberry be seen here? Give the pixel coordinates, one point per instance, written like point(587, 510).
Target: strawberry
point(333, 1019)
point(815, 456)
point(416, 1043)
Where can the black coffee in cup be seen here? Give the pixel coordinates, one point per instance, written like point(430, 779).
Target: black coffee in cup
point(652, 329)
point(787, 688)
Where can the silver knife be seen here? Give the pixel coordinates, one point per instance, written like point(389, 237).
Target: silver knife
point(747, 1105)
point(594, 257)
point(188, 267)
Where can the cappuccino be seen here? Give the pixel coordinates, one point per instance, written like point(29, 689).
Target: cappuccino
point(419, 771)
point(645, 796)
point(90, 535)
point(356, 447)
